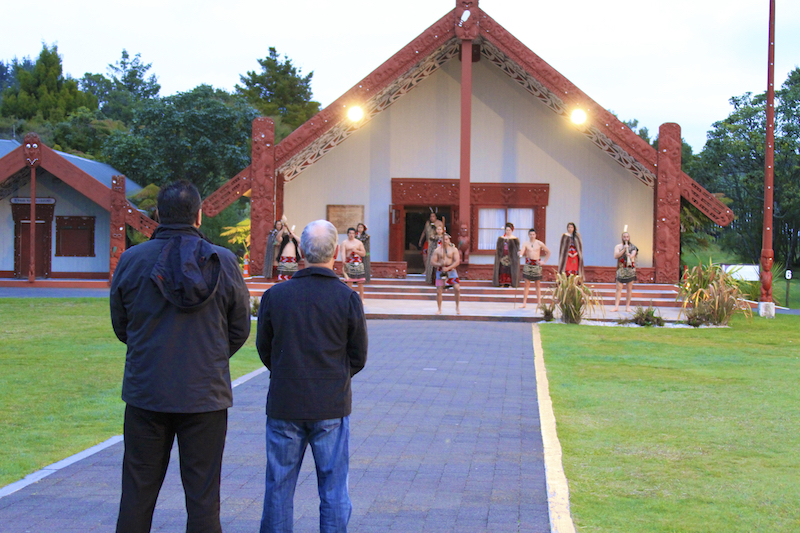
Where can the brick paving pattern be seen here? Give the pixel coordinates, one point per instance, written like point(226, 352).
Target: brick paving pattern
point(445, 438)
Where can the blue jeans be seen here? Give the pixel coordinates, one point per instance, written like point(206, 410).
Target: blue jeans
point(286, 445)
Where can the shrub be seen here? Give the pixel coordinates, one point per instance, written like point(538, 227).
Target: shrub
point(573, 299)
point(254, 303)
point(711, 296)
point(549, 310)
point(644, 317)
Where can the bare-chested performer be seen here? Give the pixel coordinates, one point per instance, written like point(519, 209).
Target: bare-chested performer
point(353, 252)
point(536, 254)
point(445, 260)
point(288, 254)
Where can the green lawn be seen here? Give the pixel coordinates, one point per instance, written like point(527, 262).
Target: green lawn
point(60, 378)
point(674, 430)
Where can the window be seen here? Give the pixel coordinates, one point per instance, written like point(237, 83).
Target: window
point(491, 224)
point(74, 236)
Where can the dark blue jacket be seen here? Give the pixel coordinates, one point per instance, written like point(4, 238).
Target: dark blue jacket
point(182, 307)
point(312, 336)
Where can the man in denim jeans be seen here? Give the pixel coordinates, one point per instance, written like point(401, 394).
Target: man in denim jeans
point(312, 336)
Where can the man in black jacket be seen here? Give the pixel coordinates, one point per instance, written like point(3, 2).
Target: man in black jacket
point(312, 336)
point(182, 307)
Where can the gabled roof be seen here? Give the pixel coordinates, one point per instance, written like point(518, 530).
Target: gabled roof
point(101, 172)
point(425, 55)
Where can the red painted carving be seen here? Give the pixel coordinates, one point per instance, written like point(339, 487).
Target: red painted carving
point(466, 27)
point(421, 191)
point(594, 274)
point(262, 197)
point(279, 181)
point(767, 257)
point(463, 242)
point(139, 221)
point(32, 148)
point(227, 194)
point(20, 212)
point(119, 214)
point(705, 201)
point(668, 205)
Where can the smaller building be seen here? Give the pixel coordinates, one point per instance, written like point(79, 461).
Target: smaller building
point(72, 196)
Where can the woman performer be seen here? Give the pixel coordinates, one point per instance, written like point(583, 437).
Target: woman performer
point(271, 253)
point(434, 240)
point(288, 255)
point(363, 236)
point(506, 259)
point(570, 256)
point(625, 254)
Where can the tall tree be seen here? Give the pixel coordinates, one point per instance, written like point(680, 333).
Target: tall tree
point(126, 87)
point(732, 162)
point(202, 135)
point(280, 90)
point(44, 91)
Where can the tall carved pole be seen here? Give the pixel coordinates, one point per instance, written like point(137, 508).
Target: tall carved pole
point(33, 158)
point(262, 192)
point(766, 307)
point(117, 226)
point(466, 29)
point(667, 242)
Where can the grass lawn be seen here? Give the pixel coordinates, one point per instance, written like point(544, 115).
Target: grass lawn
point(60, 379)
point(674, 430)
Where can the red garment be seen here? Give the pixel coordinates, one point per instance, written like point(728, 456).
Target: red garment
point(572, 266)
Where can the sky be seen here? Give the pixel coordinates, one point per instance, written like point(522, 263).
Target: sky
point(679, 61)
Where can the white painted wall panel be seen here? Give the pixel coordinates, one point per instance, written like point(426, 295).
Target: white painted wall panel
point(515, 139)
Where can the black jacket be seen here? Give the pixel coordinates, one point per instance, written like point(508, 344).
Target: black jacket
point(312, 336)
point(182, 307)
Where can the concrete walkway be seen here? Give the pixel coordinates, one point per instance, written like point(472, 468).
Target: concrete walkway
point(445, 437)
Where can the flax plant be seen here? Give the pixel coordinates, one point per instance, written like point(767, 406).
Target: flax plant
point(710, 295)
point(573, 299)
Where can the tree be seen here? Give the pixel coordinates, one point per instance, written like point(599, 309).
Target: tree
point(202, 135)
point(44, 91)
point(732, 162)
point(127, 87)
point(280, 90)
point(84, 132)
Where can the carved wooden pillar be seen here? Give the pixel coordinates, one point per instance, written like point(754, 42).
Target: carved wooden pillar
point(119, 205)
point(262, 193)
point(667, 229)
point(33, 157)
point(279, 181)
point(466, 29)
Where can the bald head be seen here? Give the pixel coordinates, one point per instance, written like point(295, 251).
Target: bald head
point(318, 242)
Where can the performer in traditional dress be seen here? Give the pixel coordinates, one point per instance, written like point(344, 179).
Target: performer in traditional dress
point(625, 253)
point(353, 267)
point(288, 254)
point(570, 255)
point(506, 259)
point(434, 241)
point(427, 233)
point(445, 259)
point(536, 254)
point(273, 243)
point(363, 236)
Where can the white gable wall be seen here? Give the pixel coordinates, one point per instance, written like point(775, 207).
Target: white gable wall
point(515, 139)
point(69, 202)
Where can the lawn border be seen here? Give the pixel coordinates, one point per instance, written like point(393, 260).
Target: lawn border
point(556, 479)
point(33, 477)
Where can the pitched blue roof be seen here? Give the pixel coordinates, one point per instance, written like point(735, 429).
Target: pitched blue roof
point(99, 171)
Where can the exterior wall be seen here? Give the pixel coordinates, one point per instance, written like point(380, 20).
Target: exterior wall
point(69, 202)
point(515, 139)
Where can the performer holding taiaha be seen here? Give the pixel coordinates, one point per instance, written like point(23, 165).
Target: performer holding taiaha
point(428, 232)
point(445, 260)
point(625, 253)
point(353, 266)
point(536, 254)
point(288, 254)
point(363, 236)
point(435, 240)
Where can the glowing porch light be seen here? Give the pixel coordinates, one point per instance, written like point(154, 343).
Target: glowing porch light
point(355, 113)
point(578, 116)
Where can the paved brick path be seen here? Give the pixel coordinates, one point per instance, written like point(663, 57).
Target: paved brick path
point(445, 437)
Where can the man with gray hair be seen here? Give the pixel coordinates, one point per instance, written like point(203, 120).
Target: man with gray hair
point(312, 336)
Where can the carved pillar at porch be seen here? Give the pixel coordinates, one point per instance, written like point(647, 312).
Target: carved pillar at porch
point(119, 206)
point(466, 29)
point(667, 228)
point(262, 192)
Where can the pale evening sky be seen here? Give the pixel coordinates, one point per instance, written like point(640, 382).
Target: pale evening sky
point(677, 61)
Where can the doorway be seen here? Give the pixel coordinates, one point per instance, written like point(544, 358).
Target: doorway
point(22, 238)
point(415, 219)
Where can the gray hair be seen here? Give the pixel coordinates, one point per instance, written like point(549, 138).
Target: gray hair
point(318, 241)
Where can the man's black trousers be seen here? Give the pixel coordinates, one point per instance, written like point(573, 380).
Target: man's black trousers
point(148, 441)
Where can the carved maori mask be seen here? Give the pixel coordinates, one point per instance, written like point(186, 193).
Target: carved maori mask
point(32, 150)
